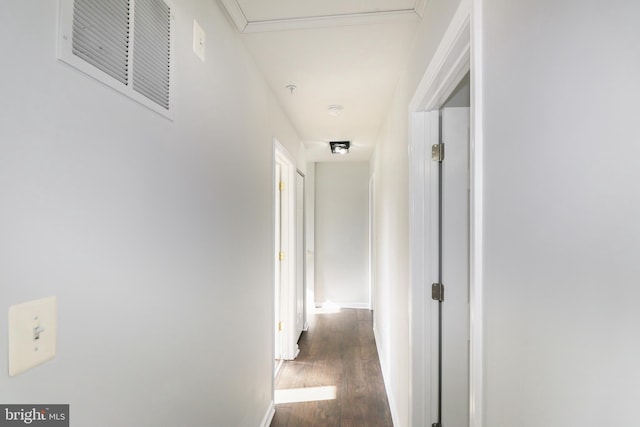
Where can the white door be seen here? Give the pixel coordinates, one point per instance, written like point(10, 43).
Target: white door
point(454, 267)
point(285, 258)
point(300, 256)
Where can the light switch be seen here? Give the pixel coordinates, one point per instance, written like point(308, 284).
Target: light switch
point(198, 40)
point(33, 328)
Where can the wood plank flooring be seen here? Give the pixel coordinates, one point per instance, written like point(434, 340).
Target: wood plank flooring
point(338, 350)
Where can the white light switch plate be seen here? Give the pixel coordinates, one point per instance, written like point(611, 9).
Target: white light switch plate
point(198, 40)
point(33, 329)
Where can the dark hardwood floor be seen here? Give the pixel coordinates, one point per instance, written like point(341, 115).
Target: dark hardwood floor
point(338, 350)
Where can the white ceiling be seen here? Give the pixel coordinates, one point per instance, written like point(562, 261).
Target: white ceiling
point(345, 52)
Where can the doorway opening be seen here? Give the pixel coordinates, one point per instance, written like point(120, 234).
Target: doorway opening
point(445, 194)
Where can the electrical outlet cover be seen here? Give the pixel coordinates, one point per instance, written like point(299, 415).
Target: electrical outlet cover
point(33, 329)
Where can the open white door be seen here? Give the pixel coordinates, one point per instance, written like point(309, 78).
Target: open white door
point(285, 290)
point(440, 358)
point(455, 266)
point(277, 288)
point(301, 317)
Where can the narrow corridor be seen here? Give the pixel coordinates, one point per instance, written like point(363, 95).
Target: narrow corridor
point(336, 380)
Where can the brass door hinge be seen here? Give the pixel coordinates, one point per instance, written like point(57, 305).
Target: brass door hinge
point(281, 256)
point(281, 186)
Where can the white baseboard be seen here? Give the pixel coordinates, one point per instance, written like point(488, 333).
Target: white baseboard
point(387, 385)
point(268, 417)
point(331, 304)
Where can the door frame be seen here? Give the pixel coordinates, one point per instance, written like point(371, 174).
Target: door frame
point(372, 242)
point(288, 342)
point(301, 247)
point(459, 52)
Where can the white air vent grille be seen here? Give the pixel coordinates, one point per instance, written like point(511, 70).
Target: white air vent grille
point(152, 48)
point(125, 44)
point(101, 35)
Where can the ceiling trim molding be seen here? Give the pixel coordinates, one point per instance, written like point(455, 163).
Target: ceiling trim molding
point(236, 14)
point(330, 21)
point(421, 5)
point(238, 17)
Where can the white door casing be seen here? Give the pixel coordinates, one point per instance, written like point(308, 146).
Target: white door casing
point(424, 268)
point(277, 297)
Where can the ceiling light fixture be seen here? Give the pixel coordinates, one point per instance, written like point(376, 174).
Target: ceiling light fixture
point(340, 147)
point(291, 88)
point(335, 110)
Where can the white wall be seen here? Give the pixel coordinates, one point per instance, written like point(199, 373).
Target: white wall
point(390, 165)
point(142, 227)
point(342, 233)
point(562, 212)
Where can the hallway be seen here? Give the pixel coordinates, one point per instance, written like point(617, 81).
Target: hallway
point(338, 362)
